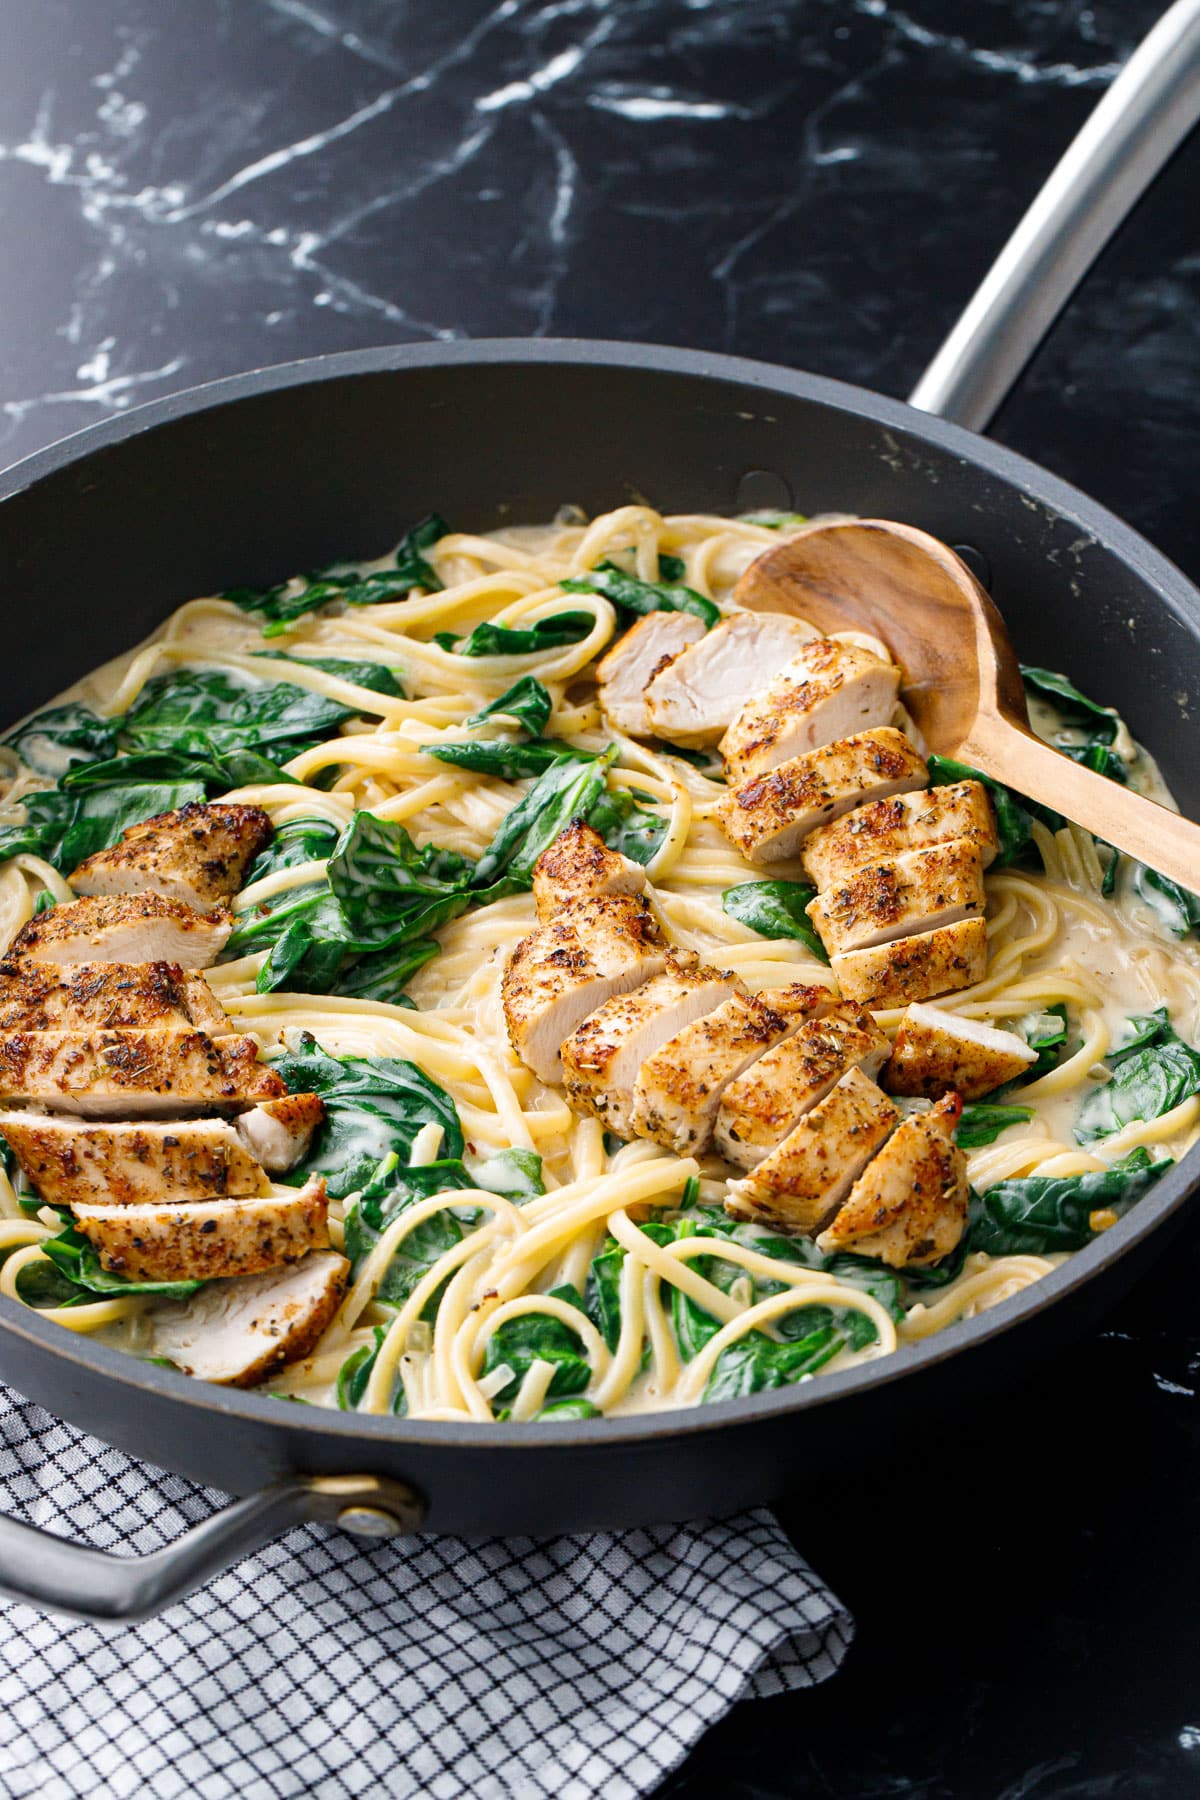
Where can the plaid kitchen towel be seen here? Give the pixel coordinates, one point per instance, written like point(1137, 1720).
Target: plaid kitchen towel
point(326, 1668)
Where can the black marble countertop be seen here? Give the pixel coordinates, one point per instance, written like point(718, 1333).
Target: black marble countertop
point(190, 190)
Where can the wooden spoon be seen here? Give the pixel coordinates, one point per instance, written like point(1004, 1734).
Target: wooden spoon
point(963, 684)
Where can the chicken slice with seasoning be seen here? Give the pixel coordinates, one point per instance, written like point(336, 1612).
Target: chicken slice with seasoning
point(885, 828)
point(202, 1240)
point(679, 1087)
point(761, 1106)
point(562, 972)
point(41, 996)
point(909, 1206)
point(699, 693)
point(239, 1332)
point(810, 1173)
point(279, 1132)
point(198, 855)
point(912, 893)
point(105, 1074)
point(128, 928)
point(829, 690)
point(603, 1056)
point(768, 817)
point(914, 968)
point(579, 865)
point(73, 1163)
point(938, 1053)
point(636, 657)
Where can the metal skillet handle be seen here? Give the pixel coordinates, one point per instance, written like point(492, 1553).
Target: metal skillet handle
point(1141, 120)
point(55, 1575)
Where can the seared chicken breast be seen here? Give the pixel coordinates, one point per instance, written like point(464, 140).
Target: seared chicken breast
point(915, 892)
point(761, 1106)
point(679, 1087)
point(198, 855)
point(806, 1176)
point(829, 690)
point(560, 973)
point(578, 865)
point(768, 817)
point(938, 1053)
point(241, 1331)
point(41, 996)
point(129, 928)
point(636, 656)
point(602, 1057)
point(886, 828)
point(72, 1162)
point(914, 968)
point(909, 1206)
point(199, 1240)
point(279, 1132)
point(699, 693)
point(105, 1074)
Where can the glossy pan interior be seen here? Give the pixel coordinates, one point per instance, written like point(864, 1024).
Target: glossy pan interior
point(287, 468)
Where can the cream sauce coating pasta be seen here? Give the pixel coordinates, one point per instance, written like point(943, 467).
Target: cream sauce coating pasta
point(1053, 939)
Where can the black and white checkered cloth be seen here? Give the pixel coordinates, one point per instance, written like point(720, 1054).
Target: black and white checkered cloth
point(325, 1668)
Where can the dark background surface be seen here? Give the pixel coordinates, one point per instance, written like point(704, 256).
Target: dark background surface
point(191, 190)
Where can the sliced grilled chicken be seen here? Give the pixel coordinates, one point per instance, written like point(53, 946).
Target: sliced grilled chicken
point(72, 1163)
point(634, 659)
point(602, 1057)
point(828, 691)
point(202, 1240)
point(578, 865)
point(678, 1089)
point(699, 693)
point(915, 892)
point(40, 996)
point(885, 828)
point(239, 1332)
point(761, 1106)
point(914, 968)
point(198, 855)
point(813, 1169)
point(129, 928)
point(105, 1074)
point(279, 1132)
point(909, 1206)
point(768, 817)
point(560, 973)
point(938, 1053)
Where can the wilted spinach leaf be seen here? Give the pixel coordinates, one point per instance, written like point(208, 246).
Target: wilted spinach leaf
point(1013, 820)
point(539, 1337)
point(1154, 1073)
point(213, 709)
point(982, 1123)
point(1075, 708)
point(489, 639)
point(62, 738)
point(64, 825)
point(374, 675)
point(75, 1259)
point(511, 762)
point(280, 606)
point(1034, 1215)
point(634, 598)
point(777, 910)
point(527, 700)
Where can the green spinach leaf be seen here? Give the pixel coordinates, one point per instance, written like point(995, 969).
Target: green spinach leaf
point(62, 738)
point(213, 709)
point(76, 1260)
point(777, 910)
point(538, 1337)
point(526, 700)
point(982, 1123)
point(1076, 709)
point(1034, 1215)
point(489, 639)
point(634, 598)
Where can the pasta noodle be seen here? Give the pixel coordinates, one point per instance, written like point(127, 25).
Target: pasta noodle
point(1054, 940)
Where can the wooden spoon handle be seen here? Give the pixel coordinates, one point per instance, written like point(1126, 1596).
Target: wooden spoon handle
point(1140, 827)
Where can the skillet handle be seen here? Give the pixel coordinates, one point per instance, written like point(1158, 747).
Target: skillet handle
point(1142, 119)
point(55, 1575)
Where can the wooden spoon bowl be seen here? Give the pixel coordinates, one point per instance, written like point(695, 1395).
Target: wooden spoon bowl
point(962, 681)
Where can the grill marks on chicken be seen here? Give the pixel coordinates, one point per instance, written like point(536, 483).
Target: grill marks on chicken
point(103, 1013)
point(197, 856)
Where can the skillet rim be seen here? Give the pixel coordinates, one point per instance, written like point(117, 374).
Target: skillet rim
point(1101, 525)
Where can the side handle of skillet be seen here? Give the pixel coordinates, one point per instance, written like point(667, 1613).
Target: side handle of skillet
point(55, 1575)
